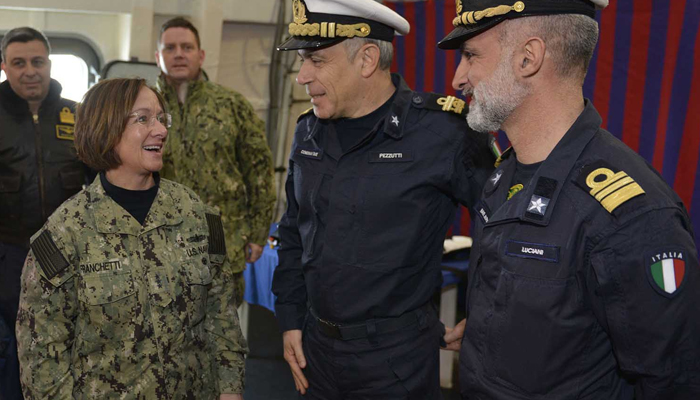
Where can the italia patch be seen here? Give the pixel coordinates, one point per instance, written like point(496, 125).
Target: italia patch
point(65, 132)
point(611, 187)
point(390, 156)
point(537, 251)
point(314, 154)
point(666, 271)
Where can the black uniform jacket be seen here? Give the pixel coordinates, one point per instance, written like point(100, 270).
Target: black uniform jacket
point(39, 169)
point(363, 232)
point(587, 275)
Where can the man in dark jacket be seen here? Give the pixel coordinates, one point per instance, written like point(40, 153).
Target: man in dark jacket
point(38, 167)
point(584, 279)
point(375, 173)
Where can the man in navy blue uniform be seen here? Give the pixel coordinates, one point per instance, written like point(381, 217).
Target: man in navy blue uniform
point(584, 279)
point(375, 173)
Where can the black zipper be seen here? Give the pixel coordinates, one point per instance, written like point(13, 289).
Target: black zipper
point(40, 164)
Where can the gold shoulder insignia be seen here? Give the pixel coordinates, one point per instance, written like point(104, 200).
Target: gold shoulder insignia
point(440, 102)
point(452, 104)
point(302, 115)
point(66, 116)
point(609, 187)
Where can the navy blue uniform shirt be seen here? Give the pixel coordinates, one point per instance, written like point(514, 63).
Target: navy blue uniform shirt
point(363, 232)
point(583, 281)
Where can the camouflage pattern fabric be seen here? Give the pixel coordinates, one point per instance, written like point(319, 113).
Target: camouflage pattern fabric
point(113, 309)
point(217, 147)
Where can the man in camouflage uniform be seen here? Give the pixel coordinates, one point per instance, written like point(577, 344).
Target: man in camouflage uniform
point(217, 146)
point(113, 309)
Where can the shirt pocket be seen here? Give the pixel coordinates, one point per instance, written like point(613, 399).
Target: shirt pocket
point(10, 197)
point(109, 305)
point(537, 329)
point(198, 280)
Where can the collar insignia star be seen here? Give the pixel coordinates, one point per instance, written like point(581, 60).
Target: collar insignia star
point(497, 177)
point(538, 205)
point(395, 120)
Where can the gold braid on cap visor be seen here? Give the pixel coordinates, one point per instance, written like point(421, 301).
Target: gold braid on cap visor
point(472, 17)
point(329, 30)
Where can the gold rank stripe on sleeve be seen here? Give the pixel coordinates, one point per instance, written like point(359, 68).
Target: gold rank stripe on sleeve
point(613, 189)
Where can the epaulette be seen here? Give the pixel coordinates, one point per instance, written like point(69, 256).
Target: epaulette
point(503, 156)
point(217, 242)
point(50, 258)
point(609, 186)
point(440, 102)
point(305, 113)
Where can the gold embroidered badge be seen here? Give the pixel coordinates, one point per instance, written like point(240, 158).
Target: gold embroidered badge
point(65, 132)
point(612, 189)
point(66, 116)
point(514, 190)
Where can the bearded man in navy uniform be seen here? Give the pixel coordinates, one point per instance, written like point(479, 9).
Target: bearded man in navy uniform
point(584, 279)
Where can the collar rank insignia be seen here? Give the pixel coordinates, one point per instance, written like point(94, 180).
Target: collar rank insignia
point(514, 190)
point(666, 271)
point(66, 116)
point(610, 187)
point(496, 177)
point(395, 120)
point(538, 205)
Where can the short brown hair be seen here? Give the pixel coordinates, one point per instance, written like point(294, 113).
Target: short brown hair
point(179, 22)
point(101, 120)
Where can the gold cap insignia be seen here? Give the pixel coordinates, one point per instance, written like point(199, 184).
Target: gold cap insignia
point(66, 116)
point(473, 17)
point(610, 188)
point(299, 12)
point(65, 132)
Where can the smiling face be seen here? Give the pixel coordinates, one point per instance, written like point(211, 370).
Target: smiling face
point(179, 56)
point(332, 81)
point(28, 69)
point(485, 73)
point(140, 148)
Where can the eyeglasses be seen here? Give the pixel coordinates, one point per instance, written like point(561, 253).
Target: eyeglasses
point(164, 119)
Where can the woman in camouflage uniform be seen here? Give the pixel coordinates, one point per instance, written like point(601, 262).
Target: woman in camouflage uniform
point(126, 292)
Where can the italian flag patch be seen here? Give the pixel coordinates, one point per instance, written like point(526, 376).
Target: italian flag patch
point(666, 270)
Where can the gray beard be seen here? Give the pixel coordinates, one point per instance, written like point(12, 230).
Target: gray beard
point(495, 99)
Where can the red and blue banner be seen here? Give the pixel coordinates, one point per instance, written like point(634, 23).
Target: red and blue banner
point(644, 79)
